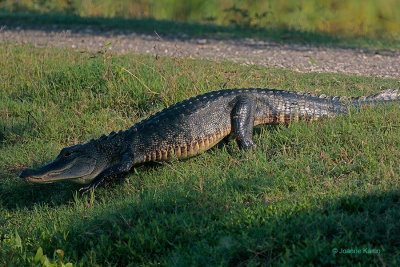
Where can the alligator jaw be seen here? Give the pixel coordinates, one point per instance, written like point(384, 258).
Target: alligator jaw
point(79, 170)
point(30, 176)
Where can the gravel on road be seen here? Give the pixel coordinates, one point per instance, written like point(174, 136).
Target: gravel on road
point(298, 57)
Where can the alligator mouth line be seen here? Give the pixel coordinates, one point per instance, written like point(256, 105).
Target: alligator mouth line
point(42, 178)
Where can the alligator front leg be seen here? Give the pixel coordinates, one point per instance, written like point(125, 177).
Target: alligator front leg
point(243, 115)
point(116, 170)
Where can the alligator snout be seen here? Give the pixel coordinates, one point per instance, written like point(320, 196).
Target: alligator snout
point(26, 173)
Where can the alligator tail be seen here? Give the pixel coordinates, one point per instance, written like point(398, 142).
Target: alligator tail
point(387, 95)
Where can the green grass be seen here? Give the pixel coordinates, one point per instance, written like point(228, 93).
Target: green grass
point(352, 18)
point(166, 27)
point(306, 189)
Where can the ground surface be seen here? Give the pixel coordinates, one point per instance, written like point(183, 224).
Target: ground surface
point(306, 192)
point(298, 57)
point(324, 193)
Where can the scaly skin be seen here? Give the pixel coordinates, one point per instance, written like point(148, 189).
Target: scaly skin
point(190, 127)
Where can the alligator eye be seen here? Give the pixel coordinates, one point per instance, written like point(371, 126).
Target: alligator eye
point(68, 153)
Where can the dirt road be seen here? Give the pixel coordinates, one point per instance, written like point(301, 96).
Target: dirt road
point(299, 57)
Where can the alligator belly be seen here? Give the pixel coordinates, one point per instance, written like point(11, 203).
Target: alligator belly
point(182, 151)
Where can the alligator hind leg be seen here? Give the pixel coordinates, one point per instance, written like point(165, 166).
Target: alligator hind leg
point(242, 121)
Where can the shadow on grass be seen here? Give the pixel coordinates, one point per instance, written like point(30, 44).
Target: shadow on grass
point(182, 230)
point(182, 31)
point(17, 194)
point(179, 226)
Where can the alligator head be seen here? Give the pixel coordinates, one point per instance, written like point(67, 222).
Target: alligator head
point(78, 163)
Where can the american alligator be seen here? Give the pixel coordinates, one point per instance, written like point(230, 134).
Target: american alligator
point(190, 127)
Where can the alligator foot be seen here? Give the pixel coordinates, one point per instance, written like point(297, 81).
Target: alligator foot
point(247, 144)
point(92, 186)
point(118, 169)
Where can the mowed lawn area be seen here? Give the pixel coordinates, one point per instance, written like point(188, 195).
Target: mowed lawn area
point(307, 191)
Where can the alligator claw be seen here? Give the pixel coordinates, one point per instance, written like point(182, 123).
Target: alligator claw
point(87, 189)
point(84, 190)
point(92, 186)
